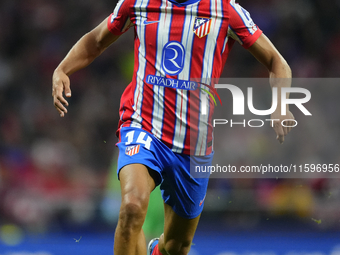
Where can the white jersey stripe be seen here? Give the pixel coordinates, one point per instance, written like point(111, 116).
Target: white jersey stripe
point(182, 95)
point(140, 7)
point(208, 59)
point(163, 32)
point(206, 26)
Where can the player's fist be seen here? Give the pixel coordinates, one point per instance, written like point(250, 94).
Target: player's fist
point(60, 84)
point(280, 130)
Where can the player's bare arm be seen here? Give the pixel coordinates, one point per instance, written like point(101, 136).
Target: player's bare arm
point(88, 48)
point(280, 76)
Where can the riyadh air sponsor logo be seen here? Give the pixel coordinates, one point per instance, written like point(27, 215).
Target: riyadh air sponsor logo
point(132, 150)
point(173, 58)
point(202, 26)
point(183, 84)
point(171, 83)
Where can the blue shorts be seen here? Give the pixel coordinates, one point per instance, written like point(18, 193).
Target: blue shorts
point(172, 170)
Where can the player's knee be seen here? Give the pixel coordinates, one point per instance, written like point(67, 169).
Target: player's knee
point(133, 212)
point(175, 247)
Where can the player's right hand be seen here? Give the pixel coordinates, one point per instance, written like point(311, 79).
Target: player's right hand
point(60, 84)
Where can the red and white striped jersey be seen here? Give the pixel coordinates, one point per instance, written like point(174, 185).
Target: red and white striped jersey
point(175, 45)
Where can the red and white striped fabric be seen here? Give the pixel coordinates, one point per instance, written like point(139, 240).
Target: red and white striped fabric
point(175, 43)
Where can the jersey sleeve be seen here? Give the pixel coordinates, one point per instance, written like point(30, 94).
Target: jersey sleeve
point(119, 21)
point(241, 26)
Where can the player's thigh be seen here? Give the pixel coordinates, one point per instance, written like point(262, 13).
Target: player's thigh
point(178, 231)
point(136, 185)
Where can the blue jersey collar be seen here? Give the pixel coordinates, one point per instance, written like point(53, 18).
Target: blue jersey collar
point(188, 2)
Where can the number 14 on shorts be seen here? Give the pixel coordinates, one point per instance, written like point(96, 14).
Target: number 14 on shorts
point(140, 139)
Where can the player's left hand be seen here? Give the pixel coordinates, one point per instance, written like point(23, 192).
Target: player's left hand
point(282, 131)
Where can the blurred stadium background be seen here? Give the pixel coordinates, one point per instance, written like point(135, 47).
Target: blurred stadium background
point(58, 188)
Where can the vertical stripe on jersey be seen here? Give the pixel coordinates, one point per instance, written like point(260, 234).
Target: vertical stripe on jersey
point(182, 100)
point(208, 59)
point(163, 32)
point(140, 7)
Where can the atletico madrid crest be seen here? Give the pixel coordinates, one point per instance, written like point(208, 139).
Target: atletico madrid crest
point(132, 150)
point(202, 26)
